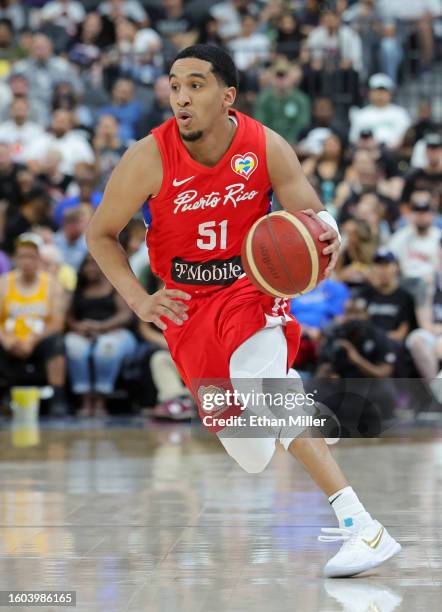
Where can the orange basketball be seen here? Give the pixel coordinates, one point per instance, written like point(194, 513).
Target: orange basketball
point(282, 254)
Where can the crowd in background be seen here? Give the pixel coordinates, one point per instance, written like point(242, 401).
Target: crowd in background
point(81, 81)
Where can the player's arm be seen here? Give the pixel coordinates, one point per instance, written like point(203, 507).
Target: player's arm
point(295, 193)
point(137, 177)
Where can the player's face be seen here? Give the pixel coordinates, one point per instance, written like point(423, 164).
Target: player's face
point(197, 97)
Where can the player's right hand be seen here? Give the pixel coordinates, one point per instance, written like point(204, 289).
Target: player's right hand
point(165, 303)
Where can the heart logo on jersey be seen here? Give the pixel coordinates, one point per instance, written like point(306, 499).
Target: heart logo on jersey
point(244, 165)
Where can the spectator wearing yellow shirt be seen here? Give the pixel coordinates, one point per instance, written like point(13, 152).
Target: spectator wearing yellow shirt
point(32, 318)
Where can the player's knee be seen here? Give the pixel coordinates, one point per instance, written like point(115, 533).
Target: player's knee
point(255, 465)
point(252, 455)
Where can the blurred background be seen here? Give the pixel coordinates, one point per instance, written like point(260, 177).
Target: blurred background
point(356, 89)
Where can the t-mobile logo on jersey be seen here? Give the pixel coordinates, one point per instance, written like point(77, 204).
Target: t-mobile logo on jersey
point(233, 194)
point(213, 272)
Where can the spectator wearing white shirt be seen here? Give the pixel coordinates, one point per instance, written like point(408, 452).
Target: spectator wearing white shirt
point(334, 42)
point(387, 121)
point(73, 147)
point(416, 246)
point(251, 48)
point(19, 132)
point(43, 70)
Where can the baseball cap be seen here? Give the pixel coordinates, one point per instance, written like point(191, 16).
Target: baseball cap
point(384, 256)
point(29, 239)
point(381, 81)
point(433, 140)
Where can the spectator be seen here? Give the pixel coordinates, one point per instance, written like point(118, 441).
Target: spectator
point(73, 147)
point(288, 36)
point(364, 174)
point(70, 238)
point(32, 319)
point(126, 110)
point(363, 18)
point(327, 171)
point(424, 124)
point(9, 187)
point(135, 54)
point(283, 107)
point(389, 306)
point(9, 50)
point(208, 33)
point(87, 192)
point(97, 321)
point(416, 246)
point(34, 209)
point(108, 148)
point(52, 263)
point(355, 347)
point(353, 267)
point(15, 13)
point(315, 311)
point(43, 70)
point(19, 131)
point(359, 356)
point(324, 122)
point(160, 110)
point(250, 49)
point(370, 209)
point(89, 42)
point(387, 121)
point(391, 52)
point(51, 177)
point(425, 343)
point(418, 15)
point(427, 177)
point(18, 87)
point(333, 43)
point(310, 15)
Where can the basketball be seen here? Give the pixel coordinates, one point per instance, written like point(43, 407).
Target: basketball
point(282, 254)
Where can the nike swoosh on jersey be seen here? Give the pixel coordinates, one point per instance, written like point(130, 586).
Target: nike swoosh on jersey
point(177, 183)
point(375, 541)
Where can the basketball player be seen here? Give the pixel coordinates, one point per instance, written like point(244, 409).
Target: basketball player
point(206, 175)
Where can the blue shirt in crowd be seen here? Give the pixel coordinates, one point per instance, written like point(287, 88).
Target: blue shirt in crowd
point(73, 202)
point(319, 307)
point(127, 116)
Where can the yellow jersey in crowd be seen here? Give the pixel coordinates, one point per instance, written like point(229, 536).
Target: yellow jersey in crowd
point(21, 314)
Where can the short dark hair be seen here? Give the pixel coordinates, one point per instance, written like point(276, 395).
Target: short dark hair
point(223, 65)
point(36, 193)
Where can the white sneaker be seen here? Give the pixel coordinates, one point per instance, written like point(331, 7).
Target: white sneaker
point(362, 595)
point(362, 550)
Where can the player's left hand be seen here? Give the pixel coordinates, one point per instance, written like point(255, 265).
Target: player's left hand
point(329, 236)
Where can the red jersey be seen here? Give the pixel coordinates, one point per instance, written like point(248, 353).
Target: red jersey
point(198, 220)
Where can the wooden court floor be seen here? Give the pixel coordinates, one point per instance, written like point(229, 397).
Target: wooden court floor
point(156, 518)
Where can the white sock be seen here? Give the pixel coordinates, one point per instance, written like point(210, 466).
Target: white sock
point(348, 509)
